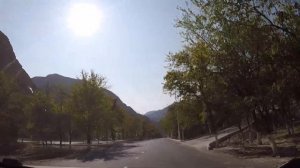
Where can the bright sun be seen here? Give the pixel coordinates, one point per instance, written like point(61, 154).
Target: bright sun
point(84, 19)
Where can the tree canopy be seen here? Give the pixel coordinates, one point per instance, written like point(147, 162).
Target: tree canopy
point(241, 59)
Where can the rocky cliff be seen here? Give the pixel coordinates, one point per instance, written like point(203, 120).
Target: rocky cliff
point(10, 66)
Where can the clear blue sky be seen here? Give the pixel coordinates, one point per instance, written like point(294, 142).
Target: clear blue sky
point(129, 47)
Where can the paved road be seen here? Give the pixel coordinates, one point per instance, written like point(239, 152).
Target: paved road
point(158, 153)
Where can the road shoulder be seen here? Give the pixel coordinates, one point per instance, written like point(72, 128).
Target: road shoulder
point(221, 154)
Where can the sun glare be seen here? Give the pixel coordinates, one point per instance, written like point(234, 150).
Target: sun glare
point(84, 19)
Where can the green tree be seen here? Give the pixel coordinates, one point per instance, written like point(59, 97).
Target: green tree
point(228, 68)
point(169, 124)
point(41, 122)
point(12, 115)
point(61, 113)
point(250, 65)
point(193, 75)
point(89, 102)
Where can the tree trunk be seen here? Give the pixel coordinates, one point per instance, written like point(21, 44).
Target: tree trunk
point(288, 128)
point(60, 140)
point(70, 133)
point(273, 145)
point(259, 138)
point(88, 138)
point(241, 134)
point(287, 125)
point(256, 122)
point(208, 127)
point(212, 126)
point(217, 140)
point(88, 135)
point(113, 134)
point(70, 139)
point(292, 127)
point(178, 126)
point(123, 134)
point(210, 120)
point(285, 111)
point(290, 117)
point(274, 119)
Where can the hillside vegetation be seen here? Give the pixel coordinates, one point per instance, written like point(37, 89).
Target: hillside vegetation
point(157, 115)
point(240, 66)
point(65, 110)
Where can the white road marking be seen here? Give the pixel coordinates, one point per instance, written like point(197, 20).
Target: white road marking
point(51, 166)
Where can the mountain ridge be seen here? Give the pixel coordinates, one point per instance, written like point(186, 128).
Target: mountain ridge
point(157, 115)
point(68, 82)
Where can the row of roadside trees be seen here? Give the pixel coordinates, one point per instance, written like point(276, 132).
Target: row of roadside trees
point(240, 65)
point(84, 113)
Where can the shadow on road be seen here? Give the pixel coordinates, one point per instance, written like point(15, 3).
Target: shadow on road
point(82, 153)
point(112, 152)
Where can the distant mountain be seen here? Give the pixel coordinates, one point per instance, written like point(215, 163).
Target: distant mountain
point(58, 80)
point(157, 115)
point(12, 67)
point(54, 79)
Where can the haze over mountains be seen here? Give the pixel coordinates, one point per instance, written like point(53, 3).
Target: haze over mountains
point(157, 115)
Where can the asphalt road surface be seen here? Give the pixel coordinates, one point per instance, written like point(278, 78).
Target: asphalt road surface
point(158, 153)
